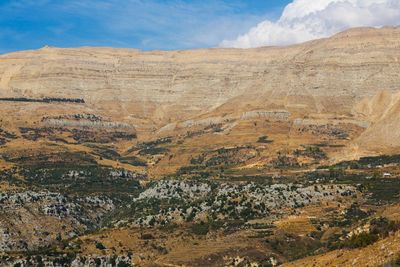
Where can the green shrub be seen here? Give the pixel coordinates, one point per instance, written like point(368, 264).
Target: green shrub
point(264, 139)
point(123, 264)
point(382, 227)
point(360, 240)
point(100, 246)
point(200, 228)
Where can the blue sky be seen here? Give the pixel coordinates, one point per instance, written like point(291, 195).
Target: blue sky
point(143, 24)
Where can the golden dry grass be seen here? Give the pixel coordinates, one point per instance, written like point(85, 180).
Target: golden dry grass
point(298, 225)
point(183, 248)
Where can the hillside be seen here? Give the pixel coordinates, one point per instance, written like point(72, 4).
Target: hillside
point(208, 157)
point(382, 253)
point(160, 86)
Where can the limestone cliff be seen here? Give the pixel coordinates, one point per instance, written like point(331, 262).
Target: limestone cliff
point(326, 75)
point(155, 90)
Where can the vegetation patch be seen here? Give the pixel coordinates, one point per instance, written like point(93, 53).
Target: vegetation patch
point(43, 100)
point(200, 228)
point(102, 137)
point(360, 240)
point(75, 173)
point(368, 162)
point(264, 140)
point(132, 160)
point(153, 151)
point(311, 151)
point(6, 136)
point(155, 143)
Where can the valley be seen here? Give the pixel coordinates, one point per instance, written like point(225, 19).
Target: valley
point(220, 157)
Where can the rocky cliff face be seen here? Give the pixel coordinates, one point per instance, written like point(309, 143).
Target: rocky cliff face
point(153, 91)
point(321, 76)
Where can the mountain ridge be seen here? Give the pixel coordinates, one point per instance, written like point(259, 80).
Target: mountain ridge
point(151, 89)
point(213, 157)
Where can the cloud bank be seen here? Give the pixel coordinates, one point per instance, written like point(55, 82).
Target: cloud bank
point(304, 20)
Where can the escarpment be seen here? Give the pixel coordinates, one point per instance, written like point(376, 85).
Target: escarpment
point(157, 92)
point(326, 75)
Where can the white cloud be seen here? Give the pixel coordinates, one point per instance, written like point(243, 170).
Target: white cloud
point(304, 20)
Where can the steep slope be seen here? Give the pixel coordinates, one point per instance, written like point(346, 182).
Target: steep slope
point(315, 93)
point(378, 254)
point(384, 113)
point(326, 75)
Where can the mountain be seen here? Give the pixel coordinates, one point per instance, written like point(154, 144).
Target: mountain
point(322, 76)
point(208, 157)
